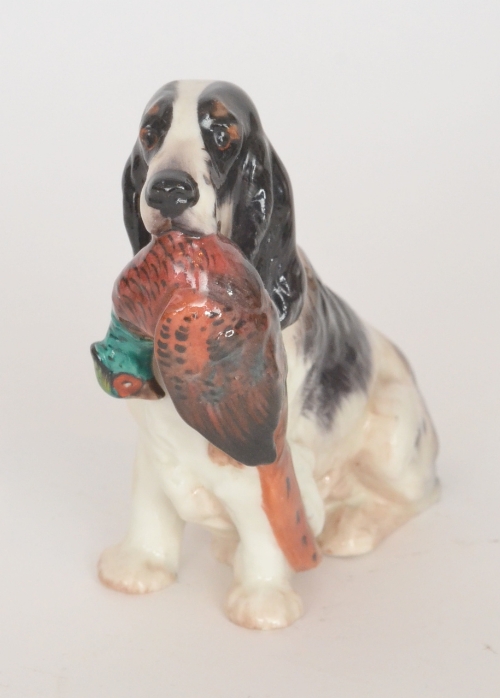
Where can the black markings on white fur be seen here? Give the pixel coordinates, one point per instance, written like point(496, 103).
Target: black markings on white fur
point(335, 342)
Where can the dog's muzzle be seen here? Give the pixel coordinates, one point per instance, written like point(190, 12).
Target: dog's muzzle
point(171, 192)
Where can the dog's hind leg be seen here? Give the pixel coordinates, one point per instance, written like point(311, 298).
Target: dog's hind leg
point(392, 476)
point(148, 558)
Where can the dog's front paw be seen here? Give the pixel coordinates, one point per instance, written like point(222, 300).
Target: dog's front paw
point(132, 570)
point(263, 606)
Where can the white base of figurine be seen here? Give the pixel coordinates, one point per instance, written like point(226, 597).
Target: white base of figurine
point(359, 481)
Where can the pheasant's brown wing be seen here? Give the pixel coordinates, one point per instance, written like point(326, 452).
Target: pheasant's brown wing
point(224, 368)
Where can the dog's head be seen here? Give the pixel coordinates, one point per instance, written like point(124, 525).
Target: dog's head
point(203, 164)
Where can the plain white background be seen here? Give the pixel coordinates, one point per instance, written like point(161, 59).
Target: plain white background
point(386, 115)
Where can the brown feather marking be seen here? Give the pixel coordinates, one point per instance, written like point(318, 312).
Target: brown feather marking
point(236, 387)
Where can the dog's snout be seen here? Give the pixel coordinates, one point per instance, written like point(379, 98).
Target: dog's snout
point(171, 192)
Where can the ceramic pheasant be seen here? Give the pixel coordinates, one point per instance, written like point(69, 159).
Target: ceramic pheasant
point(191, 318)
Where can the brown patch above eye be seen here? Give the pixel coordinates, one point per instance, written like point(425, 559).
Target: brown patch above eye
point(154, 109)
point(218, 109)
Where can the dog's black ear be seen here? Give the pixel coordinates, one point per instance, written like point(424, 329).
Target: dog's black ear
point(277, 260)
point(264, 228)
point(134, 176)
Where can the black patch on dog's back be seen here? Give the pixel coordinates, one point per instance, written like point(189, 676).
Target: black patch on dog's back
point(335, 341)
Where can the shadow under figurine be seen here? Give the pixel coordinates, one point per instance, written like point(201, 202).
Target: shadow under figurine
point(217, 302)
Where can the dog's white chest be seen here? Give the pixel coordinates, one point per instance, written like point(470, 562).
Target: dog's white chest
point(188, 476)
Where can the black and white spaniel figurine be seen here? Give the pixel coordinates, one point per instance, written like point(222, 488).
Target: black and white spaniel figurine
point(362, 441)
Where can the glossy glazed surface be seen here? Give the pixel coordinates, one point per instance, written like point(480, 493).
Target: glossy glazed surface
point(345, 452)
point(123, 363)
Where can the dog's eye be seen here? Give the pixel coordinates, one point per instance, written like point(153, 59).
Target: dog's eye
point(149, 137)
point(221, 137)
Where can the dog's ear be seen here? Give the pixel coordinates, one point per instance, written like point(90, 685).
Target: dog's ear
point(277, 260)
point(264, 227)
point(134, 176)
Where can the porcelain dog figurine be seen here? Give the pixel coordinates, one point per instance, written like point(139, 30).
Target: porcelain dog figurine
point(204, 186)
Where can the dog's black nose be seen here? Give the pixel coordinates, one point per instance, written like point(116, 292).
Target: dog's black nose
point(171, 192)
